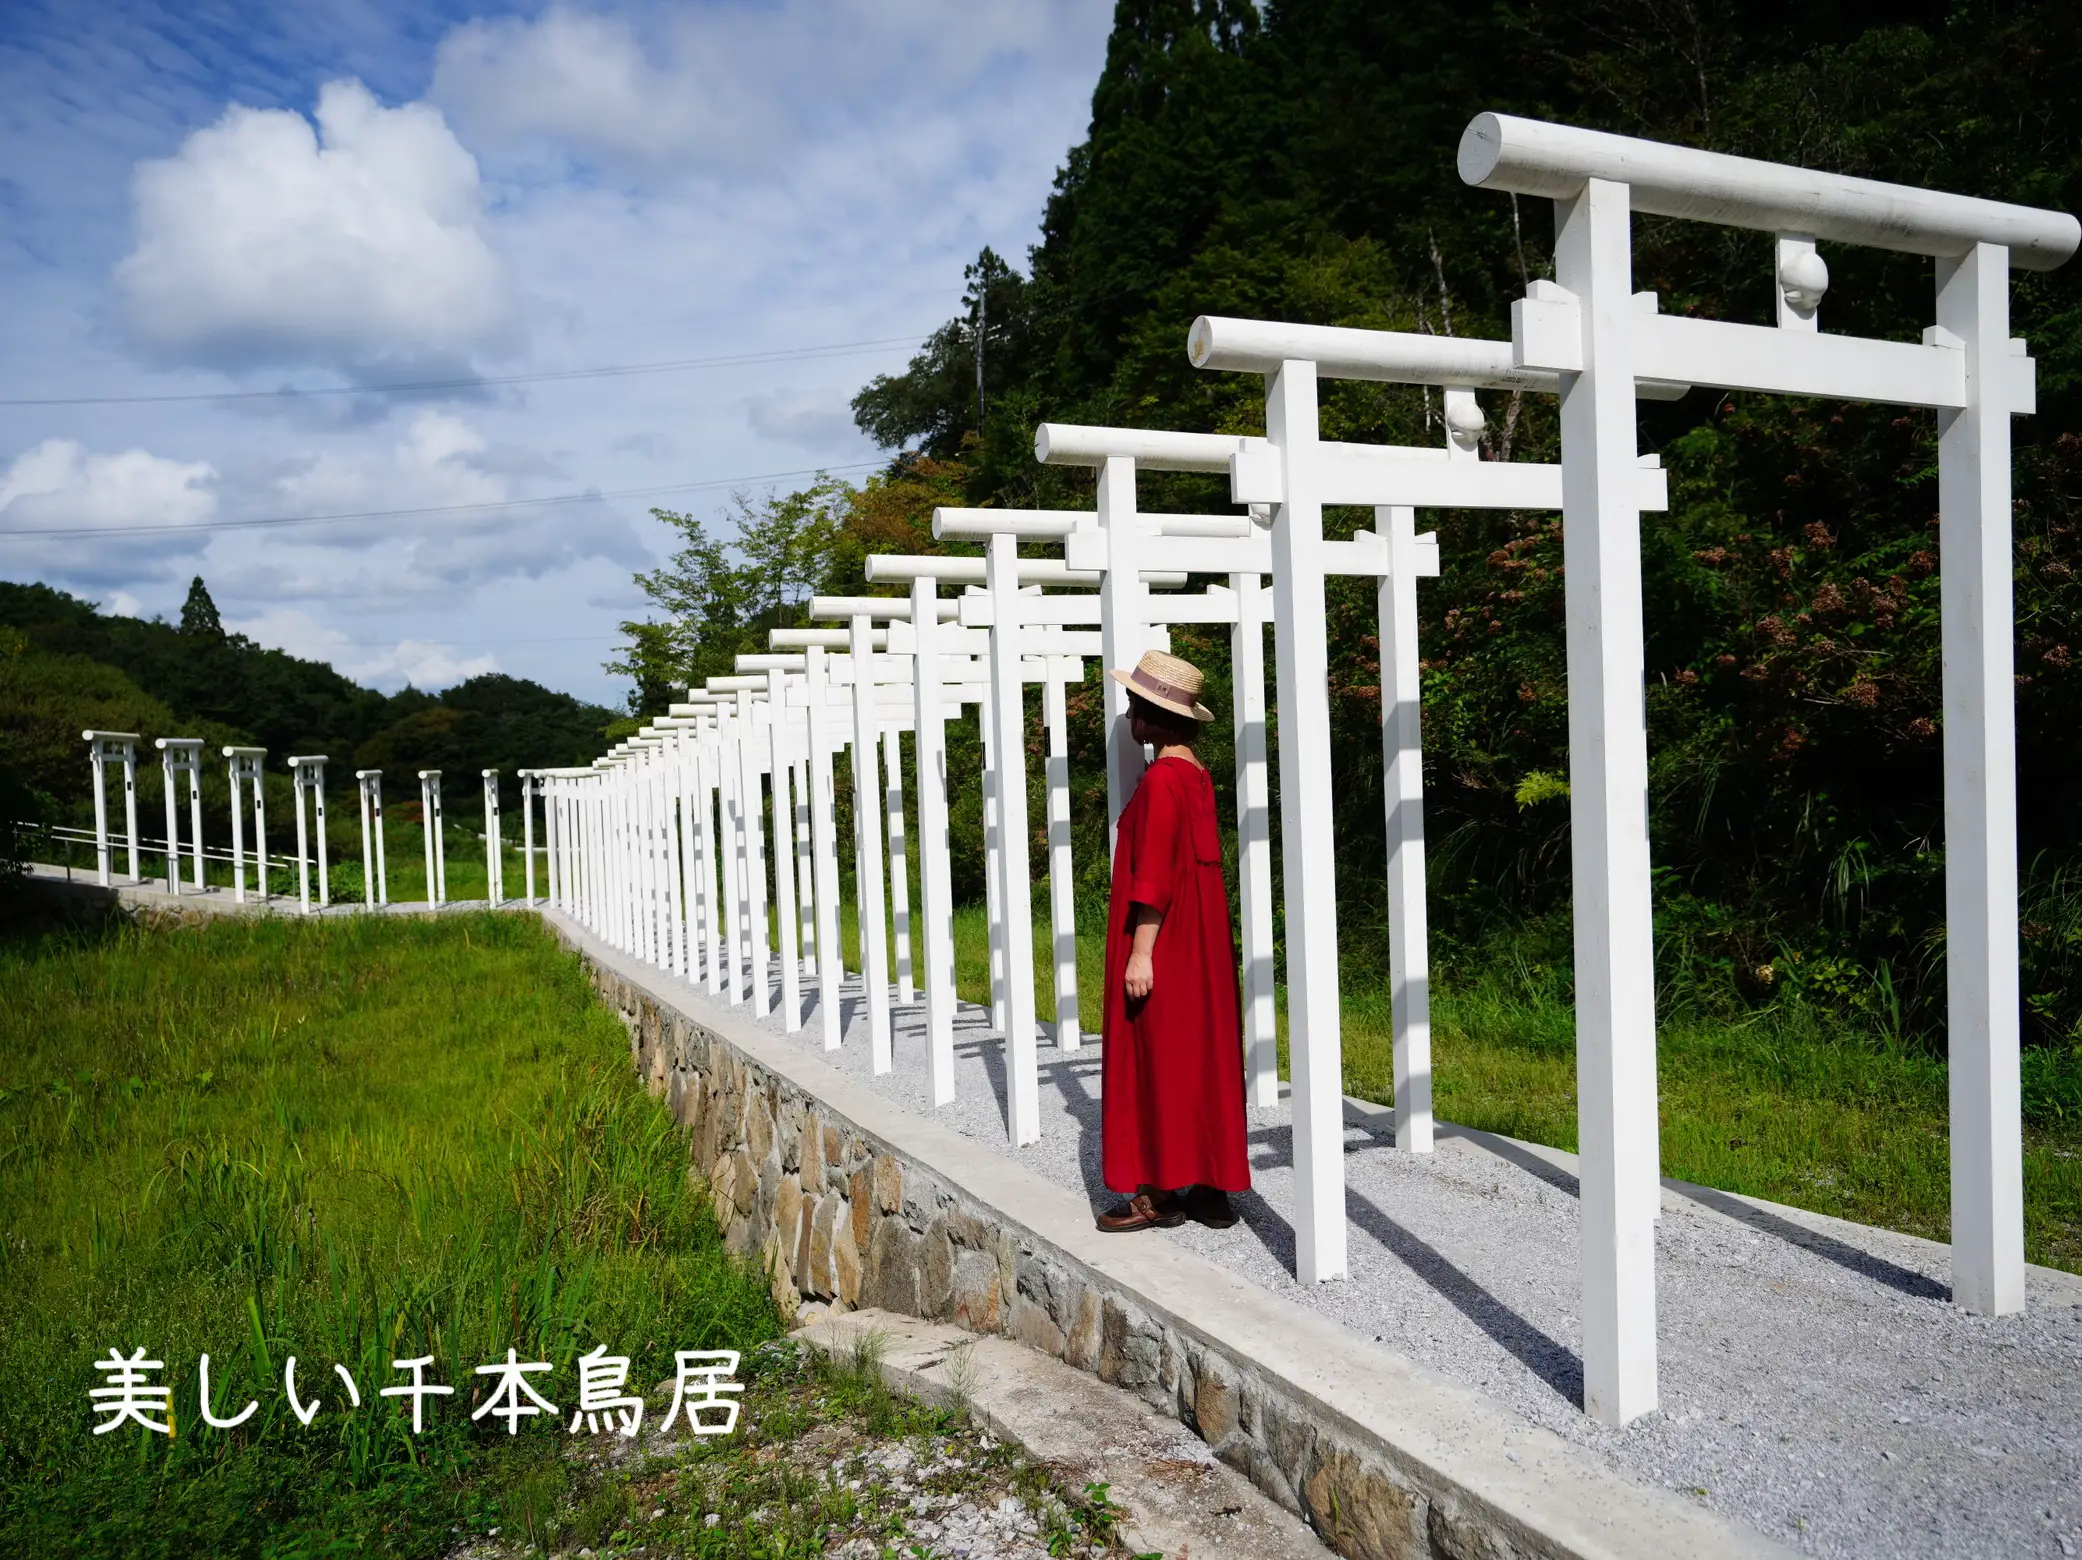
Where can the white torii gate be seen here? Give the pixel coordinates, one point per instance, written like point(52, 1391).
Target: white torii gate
point(375, 863)
point(245, 768)
point(182, 756)
point(1127, 540)
point(1038, 662)
point(887, 694)
point(1132, 619)
point(103, 749)
point(1592, 330)
point(436, 843)
point(1297, 473)
point(307, 776)
point(1058, 658)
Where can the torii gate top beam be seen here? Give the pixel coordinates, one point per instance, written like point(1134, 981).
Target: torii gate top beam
point(1533, 157)
point(1152, 449)
point(1389, 356)
point(901, 568)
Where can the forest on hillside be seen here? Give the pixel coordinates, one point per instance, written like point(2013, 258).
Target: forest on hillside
point(66, 666)
point(1295, 160)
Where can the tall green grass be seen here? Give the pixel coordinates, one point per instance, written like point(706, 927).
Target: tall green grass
point(1794, 1102)
point(351, 1141)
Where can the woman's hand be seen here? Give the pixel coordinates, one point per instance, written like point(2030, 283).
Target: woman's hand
point(1141, 976)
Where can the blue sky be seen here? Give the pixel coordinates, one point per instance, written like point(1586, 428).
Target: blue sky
point(215, 199)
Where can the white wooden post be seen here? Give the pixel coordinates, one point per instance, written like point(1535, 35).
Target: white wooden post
point(96, 767)
point(712, 873)
point(325, 896)
point(758, 947)
point(178, 757)
point(553, 837)
point(1314, 1025)
point(1254, 841)
point(1008, 720)
point(529, 790)
point(1981, 978)
point(494, 874)
point(195, 813)
point(259, 825)
point(307, 777)
point(781, 767)
point(736, 905)
point(867, 853)
point(1125, 634)
point(935, 888)
point(130, 808)
point(824, 831)
point(1062, 885)
point(366, 781)
point(1402, 768)
point(436, 844)
point(1608, 809)
point(303, 838)
point(993, 863)
point(244, 764)
point(899, 864)
point(238, 829)
point(805, 880)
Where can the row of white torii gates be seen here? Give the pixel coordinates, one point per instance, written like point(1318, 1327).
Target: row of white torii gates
point(181, 759)
point(662, 847)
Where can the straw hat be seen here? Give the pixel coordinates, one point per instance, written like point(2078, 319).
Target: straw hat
point(1166, 682)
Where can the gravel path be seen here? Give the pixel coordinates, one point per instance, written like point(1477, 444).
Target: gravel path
point(1823, 1390)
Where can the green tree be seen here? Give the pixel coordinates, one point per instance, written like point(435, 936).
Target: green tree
point(199, 619)
point(715, 600)
point(1295, 161)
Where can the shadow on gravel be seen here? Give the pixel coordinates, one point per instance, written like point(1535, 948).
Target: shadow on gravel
point(1073, 1084)
point(1551, 1361)
point(1918, 1286)
point(1907, 1281)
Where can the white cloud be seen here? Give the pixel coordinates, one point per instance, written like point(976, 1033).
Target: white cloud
point(731, 88)
point(417, 661)
point(586, 82)
point(817, 420)
point(122, 604)
point(59, 485)
point(360, 247)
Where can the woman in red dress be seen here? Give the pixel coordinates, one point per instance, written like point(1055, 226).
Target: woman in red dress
point(1171, 1107)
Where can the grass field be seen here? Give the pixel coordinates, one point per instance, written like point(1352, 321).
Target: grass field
point(352, 1142)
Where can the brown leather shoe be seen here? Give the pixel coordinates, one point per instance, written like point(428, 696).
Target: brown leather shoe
point(1144, 1211)
point(1209, 1205)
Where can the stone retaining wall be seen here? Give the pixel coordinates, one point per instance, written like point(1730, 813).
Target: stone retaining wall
point(839, 1217)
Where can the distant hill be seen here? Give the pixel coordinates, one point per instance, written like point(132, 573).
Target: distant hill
point(65, 666)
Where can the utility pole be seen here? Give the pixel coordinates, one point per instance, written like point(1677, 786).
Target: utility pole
point(982, 323)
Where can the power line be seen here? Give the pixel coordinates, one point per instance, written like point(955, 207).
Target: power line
point(612, 371)
point(87, 532)
point(465, 644)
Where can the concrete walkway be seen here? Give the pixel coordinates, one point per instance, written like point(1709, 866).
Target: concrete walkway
point(1817, 1383)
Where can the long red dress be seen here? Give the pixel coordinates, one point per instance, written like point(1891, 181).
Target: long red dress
point(1171, 1106)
